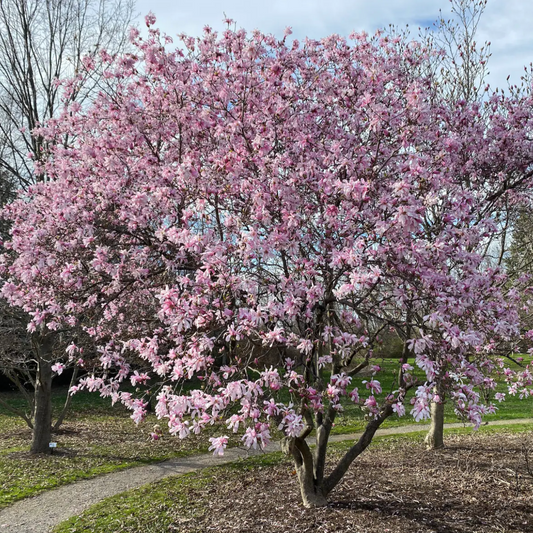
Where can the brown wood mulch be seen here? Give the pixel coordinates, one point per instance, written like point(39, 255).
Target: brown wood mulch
point(478, 484)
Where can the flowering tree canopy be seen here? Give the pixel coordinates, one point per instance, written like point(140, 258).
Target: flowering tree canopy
point(252, 213)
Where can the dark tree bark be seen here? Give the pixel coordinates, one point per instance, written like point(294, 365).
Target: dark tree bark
point(42, 425)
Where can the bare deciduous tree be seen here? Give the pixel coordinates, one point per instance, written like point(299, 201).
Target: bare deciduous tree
point(462, 67)
point(42, 41)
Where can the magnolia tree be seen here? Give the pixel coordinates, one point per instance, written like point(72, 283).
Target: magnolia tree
point(40, 42)
point(242, 193)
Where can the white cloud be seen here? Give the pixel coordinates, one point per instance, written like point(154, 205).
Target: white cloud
point(507, 25)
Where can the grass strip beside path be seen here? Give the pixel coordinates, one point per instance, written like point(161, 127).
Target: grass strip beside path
point(87, 446)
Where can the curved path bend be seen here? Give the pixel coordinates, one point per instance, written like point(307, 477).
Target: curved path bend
point(40, 514)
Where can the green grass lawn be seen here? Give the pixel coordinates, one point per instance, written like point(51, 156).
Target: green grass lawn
point(94, 439)
point(86, 447)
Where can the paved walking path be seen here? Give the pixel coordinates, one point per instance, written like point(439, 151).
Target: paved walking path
point(41, 513)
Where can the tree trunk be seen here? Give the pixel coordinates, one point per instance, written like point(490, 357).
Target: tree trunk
point(311, 488)
point(435, 437)
point(312, 495)
point(314, 488)
point(42, 425)
point(356, 450)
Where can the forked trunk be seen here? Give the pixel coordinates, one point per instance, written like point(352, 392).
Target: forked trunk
point(435, 437)
point(314, 486)
point(311, 488)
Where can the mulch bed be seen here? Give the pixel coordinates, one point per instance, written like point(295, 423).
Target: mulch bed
point(477, 484)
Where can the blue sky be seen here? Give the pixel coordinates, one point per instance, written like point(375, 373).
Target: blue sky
point(507, 24)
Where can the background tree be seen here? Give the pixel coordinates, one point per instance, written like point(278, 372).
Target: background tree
point(460, 67)
point(520, 260)
point(42, 41)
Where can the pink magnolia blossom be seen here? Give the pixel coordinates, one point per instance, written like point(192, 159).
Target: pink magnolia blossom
point(500, 396)
point(218, 445)
point(58, 368)
point(420, 410)
point(399, 408)
point(354, 395)
point(374, 386)
point(292, 424)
